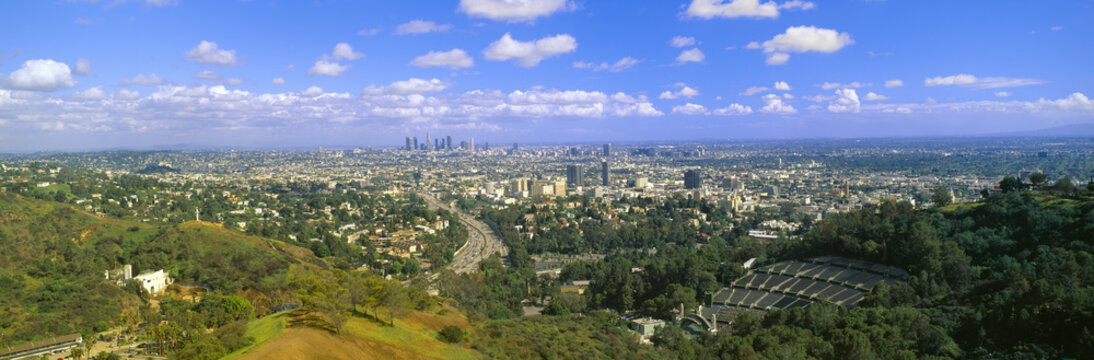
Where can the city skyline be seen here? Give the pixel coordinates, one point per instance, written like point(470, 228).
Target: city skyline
point(89, 75)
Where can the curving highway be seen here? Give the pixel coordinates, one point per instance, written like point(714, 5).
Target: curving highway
point(481, 240)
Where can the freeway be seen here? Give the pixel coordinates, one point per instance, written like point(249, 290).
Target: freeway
point(481, 239)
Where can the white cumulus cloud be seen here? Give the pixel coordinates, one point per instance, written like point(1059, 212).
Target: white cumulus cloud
point(782, 85)
point(684, 92)
point(775, 105)
point(689, 109)
point(312, 91)
point(871, 96)
point(894, 83)
point(513, 10)
point(707, 9)
point(530, 53)
point(777, 59)
point(1002, 93)
point(207, 52)
point(343, 51)
point(327, 68)
point(1074, 102)
point(693, 55)
point(733, 110)
point(278, 81)
point(41, 75)
point(799, 39)
point(846, 101)
point(453, 59)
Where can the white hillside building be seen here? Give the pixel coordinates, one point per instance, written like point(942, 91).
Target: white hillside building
point(155, 282)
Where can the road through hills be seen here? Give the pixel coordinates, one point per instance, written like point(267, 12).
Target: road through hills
point(482, 241)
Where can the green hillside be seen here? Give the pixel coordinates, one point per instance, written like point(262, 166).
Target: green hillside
point(53, 257)
point(413, 336)
point(599, 335)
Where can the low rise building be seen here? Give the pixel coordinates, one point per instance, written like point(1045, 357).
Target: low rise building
point(34, 350)
point(645, 327)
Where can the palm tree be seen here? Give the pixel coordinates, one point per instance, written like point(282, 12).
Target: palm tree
point(89, 342)
point(77, 352)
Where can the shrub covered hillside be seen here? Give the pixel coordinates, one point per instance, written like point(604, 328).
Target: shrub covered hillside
point(52, 260)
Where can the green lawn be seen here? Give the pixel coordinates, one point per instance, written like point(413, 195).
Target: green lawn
point(409, 336)
point(262, 330)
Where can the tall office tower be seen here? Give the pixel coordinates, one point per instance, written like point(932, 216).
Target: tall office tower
point(516, 147)
point(604, 170)
point(486, 146)
point(730, 183)
point(437, 144)
point(448, 140)
point(472, 144)
point(692, 179)
point(428, 144)
point(574, 151)
point(415, 143)
point(607, 150)
point(574, 175)
point(463, 145)
point(408, 144)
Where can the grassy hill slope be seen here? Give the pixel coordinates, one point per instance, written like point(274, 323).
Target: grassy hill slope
point(53, 257)
point(286, 336)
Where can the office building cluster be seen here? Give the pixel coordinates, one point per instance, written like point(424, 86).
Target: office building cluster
point(441, 144)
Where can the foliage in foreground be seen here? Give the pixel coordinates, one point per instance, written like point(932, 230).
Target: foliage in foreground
point(599, 335)
point(52, 259)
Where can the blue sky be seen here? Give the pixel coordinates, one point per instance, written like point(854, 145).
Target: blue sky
point(267, 74)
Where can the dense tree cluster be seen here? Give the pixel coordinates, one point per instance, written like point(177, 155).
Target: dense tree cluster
point(593, 227)
point(1010, 277)
point(822, 331)
point(596, 335)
